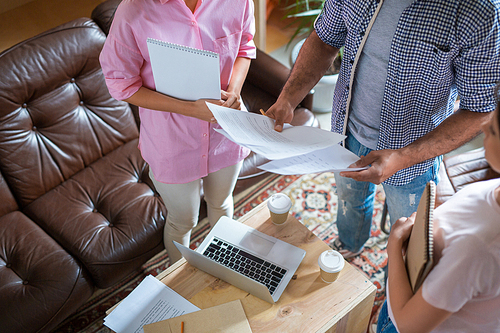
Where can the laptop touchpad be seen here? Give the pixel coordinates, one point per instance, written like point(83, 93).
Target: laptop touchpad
point(256, 243)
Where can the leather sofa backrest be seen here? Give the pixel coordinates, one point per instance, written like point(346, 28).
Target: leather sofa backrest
point(56, 114)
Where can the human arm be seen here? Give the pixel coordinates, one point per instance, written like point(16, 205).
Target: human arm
point(232, 97)
point(411, 312)
point(153, 100)
point(459, 128)
point(150, 99)
point(314, 58)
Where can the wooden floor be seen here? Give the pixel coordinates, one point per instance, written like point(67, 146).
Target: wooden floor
point(39, 15)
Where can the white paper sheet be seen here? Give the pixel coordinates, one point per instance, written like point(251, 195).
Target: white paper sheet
point(257, 133)
point(333, 159)
point(151, 301)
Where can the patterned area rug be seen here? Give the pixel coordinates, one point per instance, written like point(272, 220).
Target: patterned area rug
point(314, 204)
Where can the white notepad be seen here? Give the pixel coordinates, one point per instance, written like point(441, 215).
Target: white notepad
point(184, 72)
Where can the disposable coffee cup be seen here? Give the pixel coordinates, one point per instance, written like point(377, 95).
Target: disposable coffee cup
point(330, 263)
point(279, 205)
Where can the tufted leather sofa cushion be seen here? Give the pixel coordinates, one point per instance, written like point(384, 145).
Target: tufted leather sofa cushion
point(112, 223)
point(40, 283)
point(56, 103)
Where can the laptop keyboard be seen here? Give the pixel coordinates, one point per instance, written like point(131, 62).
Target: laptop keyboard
point(245, 263)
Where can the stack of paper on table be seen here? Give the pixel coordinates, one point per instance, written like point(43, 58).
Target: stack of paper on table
point(296, 150)
point(151, 301)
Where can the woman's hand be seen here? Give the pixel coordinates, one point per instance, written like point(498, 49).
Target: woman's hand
point(201, 111)
point(400, 232)
point(231, 100)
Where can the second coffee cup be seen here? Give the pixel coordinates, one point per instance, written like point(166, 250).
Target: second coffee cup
point(330, 263)
point(279, 205)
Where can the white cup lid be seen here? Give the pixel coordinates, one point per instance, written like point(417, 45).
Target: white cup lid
point(279, 203)
point(331, 261)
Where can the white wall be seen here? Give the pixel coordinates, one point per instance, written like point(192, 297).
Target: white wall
point(6, 5)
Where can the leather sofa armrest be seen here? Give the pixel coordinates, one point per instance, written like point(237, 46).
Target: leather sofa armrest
point(104, 13)
point(270, 75)
point(460, 170)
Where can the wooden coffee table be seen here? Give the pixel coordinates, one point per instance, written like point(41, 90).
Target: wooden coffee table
point(307, 305)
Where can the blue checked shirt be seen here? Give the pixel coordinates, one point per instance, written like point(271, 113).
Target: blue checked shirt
point(441, 49)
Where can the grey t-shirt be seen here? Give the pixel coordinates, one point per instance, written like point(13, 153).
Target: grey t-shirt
point(371, 73)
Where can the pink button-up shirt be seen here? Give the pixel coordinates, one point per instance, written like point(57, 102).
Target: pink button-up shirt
point(179, 149)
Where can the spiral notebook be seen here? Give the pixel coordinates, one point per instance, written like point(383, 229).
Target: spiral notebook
point(184, 72)
point(419, 259)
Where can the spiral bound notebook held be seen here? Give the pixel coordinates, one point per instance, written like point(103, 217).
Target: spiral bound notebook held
point(419, 260)
point(184, 72)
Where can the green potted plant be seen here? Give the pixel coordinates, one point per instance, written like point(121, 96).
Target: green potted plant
point(303, 13)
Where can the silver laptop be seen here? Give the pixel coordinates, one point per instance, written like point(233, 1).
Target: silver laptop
point(246, 258)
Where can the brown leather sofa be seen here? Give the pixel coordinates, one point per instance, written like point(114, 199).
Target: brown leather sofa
point(77, 209)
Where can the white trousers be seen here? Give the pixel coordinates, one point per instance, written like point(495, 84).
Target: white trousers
point(183, 204)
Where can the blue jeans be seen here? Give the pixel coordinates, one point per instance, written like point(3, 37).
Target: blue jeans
point(355, 200)
point(384, 323)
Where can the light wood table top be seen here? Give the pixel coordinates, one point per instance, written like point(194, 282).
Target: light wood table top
point(307, 305)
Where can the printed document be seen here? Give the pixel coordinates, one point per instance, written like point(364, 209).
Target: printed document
point(331, 159)
point(151, 301)
point(296, 150)
point(257, 133)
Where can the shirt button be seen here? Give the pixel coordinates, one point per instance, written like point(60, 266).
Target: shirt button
point(193, 22)
point(204, 156)
point(204, 134)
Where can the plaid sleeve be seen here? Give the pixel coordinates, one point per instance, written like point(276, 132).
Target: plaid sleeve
point(329, 25)
point(478, 66)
